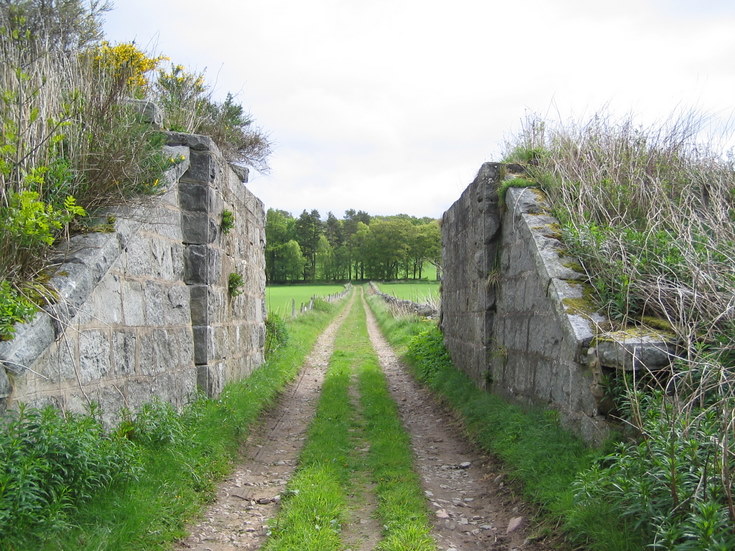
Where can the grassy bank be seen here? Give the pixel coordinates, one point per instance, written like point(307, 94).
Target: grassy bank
point(178, 458)
point(542, 458)
point(330, 468)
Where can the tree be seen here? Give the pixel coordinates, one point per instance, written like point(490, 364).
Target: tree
point(325, 259)
point(425, 247)
point(293, 261)
point(309, 228)
point(280, 228)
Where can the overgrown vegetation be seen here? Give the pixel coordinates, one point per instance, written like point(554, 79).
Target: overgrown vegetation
point(72, 141)
point(67, 484)
point(650, 212)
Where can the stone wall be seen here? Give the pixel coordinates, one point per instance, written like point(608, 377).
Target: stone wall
point(405, 306)
point(514, 311)
point(144, 311)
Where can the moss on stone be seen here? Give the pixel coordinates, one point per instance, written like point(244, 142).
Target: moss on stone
point(657, 323)
point(574, 266)
point(584, 305)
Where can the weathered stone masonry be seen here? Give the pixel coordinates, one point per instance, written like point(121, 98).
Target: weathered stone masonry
point(144, 311)
point(514, 313)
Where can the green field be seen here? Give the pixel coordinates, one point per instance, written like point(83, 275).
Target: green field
point(278, 298)
point(417, 291)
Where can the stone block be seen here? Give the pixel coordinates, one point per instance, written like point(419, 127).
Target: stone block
point(94, 355)
point(199, 302)
point(103, 306)
point(124, 352)
point(30, 341)
point(178, 311)
point(198, 228)
point(242, 173)
point(197, 142)
point(196, 197)
point(5, 388)
point(133, 303)
point(59, 362)
point(157, 352)
point(89, 258)
point(210, 379)
point(203, 344)
point(202, 169)
point(201, 265)
point(149, 111)
point(630, 352)
point(156, 302)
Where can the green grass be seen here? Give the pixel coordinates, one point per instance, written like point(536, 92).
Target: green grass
point(278, 298)
point(420, 292)
point(179, 477)
point(330, 468)
point(544, 459)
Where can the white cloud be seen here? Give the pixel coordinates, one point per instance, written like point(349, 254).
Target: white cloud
point(392, 105)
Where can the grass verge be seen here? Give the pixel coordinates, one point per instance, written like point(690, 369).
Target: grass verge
point(179, 468)
point(543, 458)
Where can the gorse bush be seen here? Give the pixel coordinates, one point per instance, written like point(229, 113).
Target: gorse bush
point(650, 212)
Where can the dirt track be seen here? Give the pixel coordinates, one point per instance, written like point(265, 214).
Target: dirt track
point(473, 509)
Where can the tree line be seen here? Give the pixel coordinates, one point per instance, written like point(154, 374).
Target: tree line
point(358, 246)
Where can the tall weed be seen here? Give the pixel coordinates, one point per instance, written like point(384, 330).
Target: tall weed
point(650, 212)
point(51, 462)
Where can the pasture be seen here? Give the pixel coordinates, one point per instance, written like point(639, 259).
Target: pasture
point(416, 291)
point(278, 298)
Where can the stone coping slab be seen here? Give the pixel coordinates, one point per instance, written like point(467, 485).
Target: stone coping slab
point(626, 350)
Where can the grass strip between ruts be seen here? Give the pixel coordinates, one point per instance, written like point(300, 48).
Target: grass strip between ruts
point(401, 502)
point(316, 503)
point(177, 478)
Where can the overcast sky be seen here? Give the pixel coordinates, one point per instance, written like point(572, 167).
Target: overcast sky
point(391, 106)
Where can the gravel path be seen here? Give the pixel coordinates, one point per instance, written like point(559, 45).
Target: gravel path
point(473, 509)
point(249, 497)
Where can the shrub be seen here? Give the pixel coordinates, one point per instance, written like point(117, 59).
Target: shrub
point(14, 308)
point(50, 462)
point(428, 354)
point(228, 221)
point(156, 423)
point(188, 107)
point(669, 485)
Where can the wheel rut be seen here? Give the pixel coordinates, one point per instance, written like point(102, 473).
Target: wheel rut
point(249, 496)
point(473, 509)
